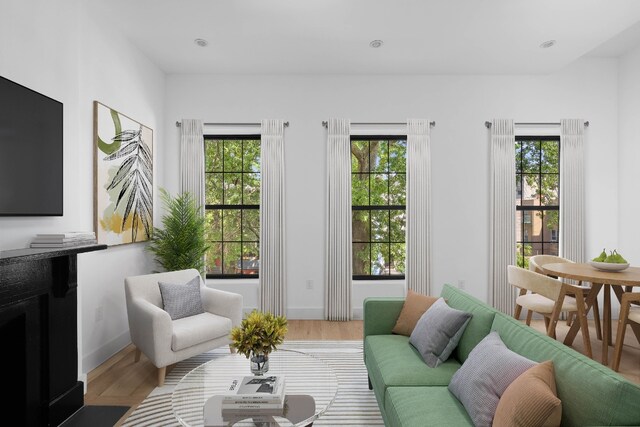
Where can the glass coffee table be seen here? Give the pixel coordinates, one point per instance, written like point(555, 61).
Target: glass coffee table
point(310, 388)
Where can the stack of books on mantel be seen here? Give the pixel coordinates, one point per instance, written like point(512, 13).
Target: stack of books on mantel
point(255, 393)
point(64, 240)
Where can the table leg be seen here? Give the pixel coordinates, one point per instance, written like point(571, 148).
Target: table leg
point(606, 333)
point(575, 327)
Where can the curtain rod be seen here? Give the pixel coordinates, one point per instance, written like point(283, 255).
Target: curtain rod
point(488, 124)
point(178, 124)
point(326, 123)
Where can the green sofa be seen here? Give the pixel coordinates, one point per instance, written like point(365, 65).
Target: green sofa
point(409, 393)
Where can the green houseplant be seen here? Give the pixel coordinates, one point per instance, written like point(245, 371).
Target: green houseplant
point(258, 335)
point(181, 243)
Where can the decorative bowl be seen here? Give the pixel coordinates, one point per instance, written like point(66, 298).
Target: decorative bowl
point(608, 266)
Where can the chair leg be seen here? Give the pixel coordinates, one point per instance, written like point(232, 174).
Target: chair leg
point(569, 318)
point(584, 326)
point(161, 374)
point(517, 311)
point(546, 324)
point(529, 315)
point(136, 357)
point(622, 326)
point(596, 319)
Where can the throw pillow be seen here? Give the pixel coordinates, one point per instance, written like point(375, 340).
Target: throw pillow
point(531, 400)
point(438, 332)
point(414, 306)
point(182, 300)
point(482, 379)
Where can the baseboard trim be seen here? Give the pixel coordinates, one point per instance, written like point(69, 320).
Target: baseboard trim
point(103, 353)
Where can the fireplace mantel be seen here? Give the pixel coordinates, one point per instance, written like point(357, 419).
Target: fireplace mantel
point(38, 329)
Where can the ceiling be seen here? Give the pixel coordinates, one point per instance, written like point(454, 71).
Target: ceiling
point(333, 36)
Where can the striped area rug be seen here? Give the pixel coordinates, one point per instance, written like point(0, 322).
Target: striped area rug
point(355, 404)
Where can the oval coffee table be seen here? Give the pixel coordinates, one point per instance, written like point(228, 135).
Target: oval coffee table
point(310, 388)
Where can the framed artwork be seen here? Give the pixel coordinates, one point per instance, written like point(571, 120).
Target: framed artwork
point(123, 177)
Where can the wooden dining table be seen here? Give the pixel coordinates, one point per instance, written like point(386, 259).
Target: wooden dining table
point(599, 279)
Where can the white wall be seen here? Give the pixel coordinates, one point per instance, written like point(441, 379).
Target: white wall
point(58, 49)
point(629, 154)
point(459, 104)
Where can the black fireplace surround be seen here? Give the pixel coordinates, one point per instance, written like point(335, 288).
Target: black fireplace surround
point(38, 335)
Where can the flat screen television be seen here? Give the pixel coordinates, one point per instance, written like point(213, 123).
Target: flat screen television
point(30, 152)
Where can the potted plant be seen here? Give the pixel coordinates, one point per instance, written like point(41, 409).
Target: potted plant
point(181, 243)
point(258, 335)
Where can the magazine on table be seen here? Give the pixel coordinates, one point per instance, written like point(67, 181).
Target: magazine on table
point(254, 392)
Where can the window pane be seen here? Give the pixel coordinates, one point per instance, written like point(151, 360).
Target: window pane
point(380, 226)
point(214, 258)
point(549, 190)
point(531, 156)
point(398, 155)
point(551, 249)
point(360, 189)
point(213, 155)
point(213, 188)
point(379, 258)
point(532, 228)
point(550, 151)
point(518, 157)
point(231, 225)
point(398, 255)
point(379, 156)
point(379, 189)
point(398, 220)
point(359, 156)
point(397, 189)
point(232, 155)
point(232, 257)
point(523, 253)
point(361, 259)
point(232, 189)
point(530, 187)
point(251, 161)
point(213, 221)
point(360, 226)
point(251, 182)
point(550, 226)
point(250, 260)
point(519, 226)
point(251, 225)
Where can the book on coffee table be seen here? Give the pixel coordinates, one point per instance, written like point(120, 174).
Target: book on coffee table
point(255, 392)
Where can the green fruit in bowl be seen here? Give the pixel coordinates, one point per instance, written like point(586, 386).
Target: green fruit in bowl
point(601, 257)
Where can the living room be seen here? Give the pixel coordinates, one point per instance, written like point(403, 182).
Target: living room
point(458, 64)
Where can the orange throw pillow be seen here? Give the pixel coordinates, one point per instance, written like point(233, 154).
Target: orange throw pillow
point(413, 308)
point(531, 400)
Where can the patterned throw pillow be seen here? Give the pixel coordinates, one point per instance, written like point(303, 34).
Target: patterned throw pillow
point(182, 300)
point(438, 332)
point(482, 379)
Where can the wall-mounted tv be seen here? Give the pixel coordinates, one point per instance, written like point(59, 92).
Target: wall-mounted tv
point(30, 152)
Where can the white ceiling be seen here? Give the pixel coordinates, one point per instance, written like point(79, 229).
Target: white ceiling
point(332, 36)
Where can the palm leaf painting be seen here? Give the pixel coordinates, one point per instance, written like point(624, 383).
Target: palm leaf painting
point(124, 178)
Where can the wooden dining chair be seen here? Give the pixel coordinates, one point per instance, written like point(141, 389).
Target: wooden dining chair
point(536, 263)
point(628, 315)
point(549, 297)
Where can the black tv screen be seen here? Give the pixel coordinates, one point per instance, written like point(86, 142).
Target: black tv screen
point(30, 152)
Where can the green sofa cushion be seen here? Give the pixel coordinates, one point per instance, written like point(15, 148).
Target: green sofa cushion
point(392, 361)
point(591, 393)
point(424, 406)
point(480, 323)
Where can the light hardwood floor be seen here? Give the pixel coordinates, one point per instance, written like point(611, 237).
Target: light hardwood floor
point(120, 381)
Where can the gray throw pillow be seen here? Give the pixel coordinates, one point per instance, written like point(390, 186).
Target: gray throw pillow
point(484, 376)
point(182, 300)
point(438, 332)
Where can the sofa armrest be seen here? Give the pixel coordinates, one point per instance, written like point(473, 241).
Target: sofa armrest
point(381, 314)
point(222, 303)
point(151, 329)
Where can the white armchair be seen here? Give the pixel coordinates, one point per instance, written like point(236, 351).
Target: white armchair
point(165, 341)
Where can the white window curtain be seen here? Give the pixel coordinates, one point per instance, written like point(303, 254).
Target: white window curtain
point(273, 275)
point(418, 231)
point(572, 216)
point(502, 251)
point(338, 250)
point(192, 160)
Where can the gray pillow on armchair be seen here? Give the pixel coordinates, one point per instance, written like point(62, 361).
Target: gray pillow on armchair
point(182, 300)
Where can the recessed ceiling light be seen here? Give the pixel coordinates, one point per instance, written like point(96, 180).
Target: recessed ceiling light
point(201, 42)
point(547, 44)
point(376, 44)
